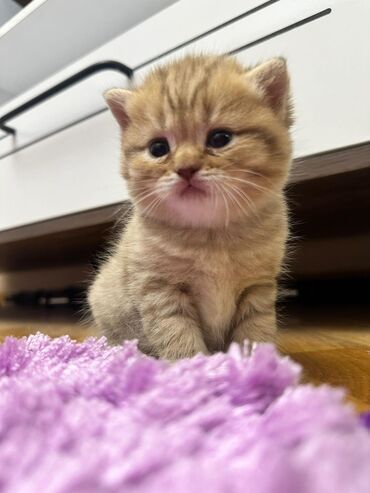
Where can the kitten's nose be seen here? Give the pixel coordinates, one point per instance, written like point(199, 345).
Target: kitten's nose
point(187, 173)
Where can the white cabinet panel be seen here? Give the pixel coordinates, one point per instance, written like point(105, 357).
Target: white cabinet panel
point(329, 64)
point(182, 23)
point(164, 31)
point(74, 103)
point(48, 35)
point(328, 59)
point(75, 170)
point(327, 45)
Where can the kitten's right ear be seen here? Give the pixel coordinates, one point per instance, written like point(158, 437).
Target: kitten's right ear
point(271, 80)
point(117, 101)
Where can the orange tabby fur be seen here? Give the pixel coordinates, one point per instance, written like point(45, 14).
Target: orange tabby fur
point(194, 271)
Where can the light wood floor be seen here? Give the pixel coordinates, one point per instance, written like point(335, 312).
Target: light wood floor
point(333, 346)
point(331, 343)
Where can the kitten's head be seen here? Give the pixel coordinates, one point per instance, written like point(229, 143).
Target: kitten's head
point(205, 141)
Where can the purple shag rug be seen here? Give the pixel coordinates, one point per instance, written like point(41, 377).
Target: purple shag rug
point(89, 418)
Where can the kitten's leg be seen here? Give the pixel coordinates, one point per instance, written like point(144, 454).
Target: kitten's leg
point(110, 304)
point(170, 321)
point(256, 315)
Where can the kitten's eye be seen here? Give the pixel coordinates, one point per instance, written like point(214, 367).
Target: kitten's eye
point(159, 147)
point(219, 138)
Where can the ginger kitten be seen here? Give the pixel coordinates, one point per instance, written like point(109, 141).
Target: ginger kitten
point(205, 153)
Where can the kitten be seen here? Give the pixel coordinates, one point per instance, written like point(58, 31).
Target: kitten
point(205, 153)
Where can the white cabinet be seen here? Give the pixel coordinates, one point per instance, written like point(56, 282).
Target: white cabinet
point(328, 60)
point(74, 170)
point(48, 35)
point(326, 43)
point(151, 39)
point(70, 106)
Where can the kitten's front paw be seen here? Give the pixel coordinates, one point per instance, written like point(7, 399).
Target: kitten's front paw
point(254, 334)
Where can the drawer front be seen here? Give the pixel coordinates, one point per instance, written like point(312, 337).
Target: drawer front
point(134, 48)
point(327, 46)
point(330, 76)
point(72, 171)
point(328, 61)
point(65, 107)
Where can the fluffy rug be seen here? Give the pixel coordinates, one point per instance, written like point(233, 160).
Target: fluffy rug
point(89, 418)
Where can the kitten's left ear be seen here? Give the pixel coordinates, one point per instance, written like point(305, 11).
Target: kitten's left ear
point(271, 80)
point(117, 101)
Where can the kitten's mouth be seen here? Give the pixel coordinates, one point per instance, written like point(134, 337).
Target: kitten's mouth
point(191, 189)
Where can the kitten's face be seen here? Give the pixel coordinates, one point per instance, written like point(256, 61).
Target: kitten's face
point(205, 142)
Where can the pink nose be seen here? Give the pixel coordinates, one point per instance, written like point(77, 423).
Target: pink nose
point(187, 173)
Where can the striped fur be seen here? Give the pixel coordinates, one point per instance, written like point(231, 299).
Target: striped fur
point(191, 275)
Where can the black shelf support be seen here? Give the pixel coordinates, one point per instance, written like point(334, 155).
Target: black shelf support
point(61, 86)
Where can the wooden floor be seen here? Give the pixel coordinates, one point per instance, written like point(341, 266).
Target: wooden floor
point(333, 346)
point(331, 343)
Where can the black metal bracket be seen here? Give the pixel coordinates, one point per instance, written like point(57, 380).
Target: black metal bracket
point(6, 129)
point(61, 86)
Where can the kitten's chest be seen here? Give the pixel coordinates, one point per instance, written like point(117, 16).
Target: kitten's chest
point(216, 289)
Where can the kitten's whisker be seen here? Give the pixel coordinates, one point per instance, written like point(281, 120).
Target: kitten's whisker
point(122, 214)
point(142, 190)
point(154, 207)
point(151, 207)
point(227, 218)
point(144, 183)
point(249, 202)
point(242, 195)
point(155, 203)
point(145, 196)
point(245, 197)
point(255, 173)
point(213, 194)
point(164, 188)
point(249, 171)
point(236, 202)
point(229, 189)
point(254, 185)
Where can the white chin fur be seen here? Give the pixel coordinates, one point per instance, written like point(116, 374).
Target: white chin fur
point(196, 212)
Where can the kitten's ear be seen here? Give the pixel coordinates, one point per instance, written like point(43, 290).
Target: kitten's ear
point(271, 81)
point(117, 101)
